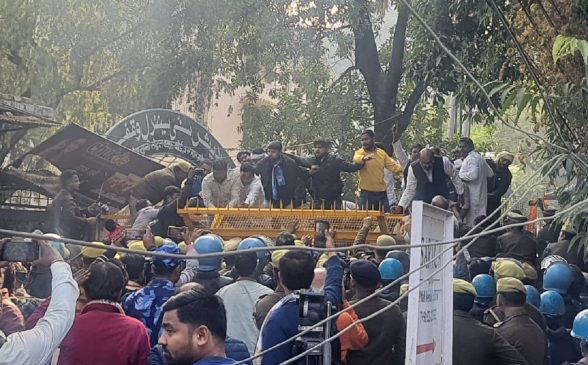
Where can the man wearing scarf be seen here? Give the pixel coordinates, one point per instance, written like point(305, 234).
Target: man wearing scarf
point(280, 177)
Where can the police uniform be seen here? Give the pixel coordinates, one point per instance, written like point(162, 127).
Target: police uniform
point(516, 243)
point(490, 347)
point(519, 329)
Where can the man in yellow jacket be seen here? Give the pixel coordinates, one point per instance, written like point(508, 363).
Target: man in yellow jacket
point(371, 177)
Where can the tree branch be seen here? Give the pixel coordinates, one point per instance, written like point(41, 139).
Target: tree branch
point(14, 138)
point(394, 74)
point(366, 51)
point(409, 108)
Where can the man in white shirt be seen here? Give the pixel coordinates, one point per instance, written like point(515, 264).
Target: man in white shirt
point(36, 346)
point(428, 178)
point(146, 213)
point(240, 298)
point(251, 194)
point(474, 172)
point(219, 189)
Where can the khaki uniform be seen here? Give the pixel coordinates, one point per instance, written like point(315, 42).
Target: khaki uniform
point(525, 335)
point(518, 245)
point(265, 304)
point(488, 346)
point(386, 335)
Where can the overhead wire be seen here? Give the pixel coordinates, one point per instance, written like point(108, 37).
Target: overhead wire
point(387, 307)
point(390, 285)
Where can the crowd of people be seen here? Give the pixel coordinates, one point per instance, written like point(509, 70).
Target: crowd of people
point(518, 297)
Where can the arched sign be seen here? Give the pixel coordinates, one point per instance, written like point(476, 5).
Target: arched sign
point(163, 131)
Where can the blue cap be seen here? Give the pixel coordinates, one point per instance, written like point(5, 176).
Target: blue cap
point(164, 262)
point(365, 273)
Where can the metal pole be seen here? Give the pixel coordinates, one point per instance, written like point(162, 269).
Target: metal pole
point(327, 346)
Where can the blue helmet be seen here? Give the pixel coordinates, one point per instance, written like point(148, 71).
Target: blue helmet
point(255, 242)
point(209, 243)
point(552, 304)
point(401, 256)
point(580, 327)
point(391, 269)
point(485, 286)
point(533, 296)
point(558, 277)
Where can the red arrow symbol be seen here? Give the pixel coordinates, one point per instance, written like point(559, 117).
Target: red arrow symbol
point(426, 347)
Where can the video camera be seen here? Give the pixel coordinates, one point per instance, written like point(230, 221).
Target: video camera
point(312, 308)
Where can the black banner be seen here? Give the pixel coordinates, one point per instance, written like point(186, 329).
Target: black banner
point(107, 171)
point(162, 131)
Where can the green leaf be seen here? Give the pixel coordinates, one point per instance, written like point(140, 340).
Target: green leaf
point(563, 46)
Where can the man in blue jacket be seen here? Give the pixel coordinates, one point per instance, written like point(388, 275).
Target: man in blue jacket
point(296, 273)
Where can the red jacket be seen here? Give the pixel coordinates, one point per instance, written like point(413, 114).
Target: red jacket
point(102, 334)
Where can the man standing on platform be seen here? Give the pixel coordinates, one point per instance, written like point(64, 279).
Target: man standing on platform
point(371, 177)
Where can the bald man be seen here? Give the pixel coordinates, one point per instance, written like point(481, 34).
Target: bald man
point(428, 177)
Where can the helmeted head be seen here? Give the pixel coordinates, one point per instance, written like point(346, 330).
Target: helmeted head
point(391, 269)
point(485, 286)
point(580, 326)
point(533, 296)
point(552, 304)
point(254, 242)
point(558, 277)
point(209, 243)
point(401, 256)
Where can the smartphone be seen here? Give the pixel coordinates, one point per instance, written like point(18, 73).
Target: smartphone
point(20, 251)
point(176, 232)
point(133, 234)
point(320, 227)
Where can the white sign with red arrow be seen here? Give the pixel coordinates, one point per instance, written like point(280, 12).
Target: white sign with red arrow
point(429, 331)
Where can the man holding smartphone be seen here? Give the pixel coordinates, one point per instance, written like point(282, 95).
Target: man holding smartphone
point(36, 346)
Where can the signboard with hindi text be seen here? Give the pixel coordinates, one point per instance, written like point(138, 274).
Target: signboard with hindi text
point(429, 330)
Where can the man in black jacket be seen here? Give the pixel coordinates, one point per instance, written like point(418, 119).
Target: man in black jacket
point(279, 177)
point(65, 217)
point(501, 182)
point(326, 186)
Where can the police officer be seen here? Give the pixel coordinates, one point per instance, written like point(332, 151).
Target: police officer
point(489, 345)
point(516, 243)
point(580, 332)
point(390, 270)
point(207, 273)
point(559, 278)
point(517, 327)
point(533, 297)
point(562, 347)
point(486, 290)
